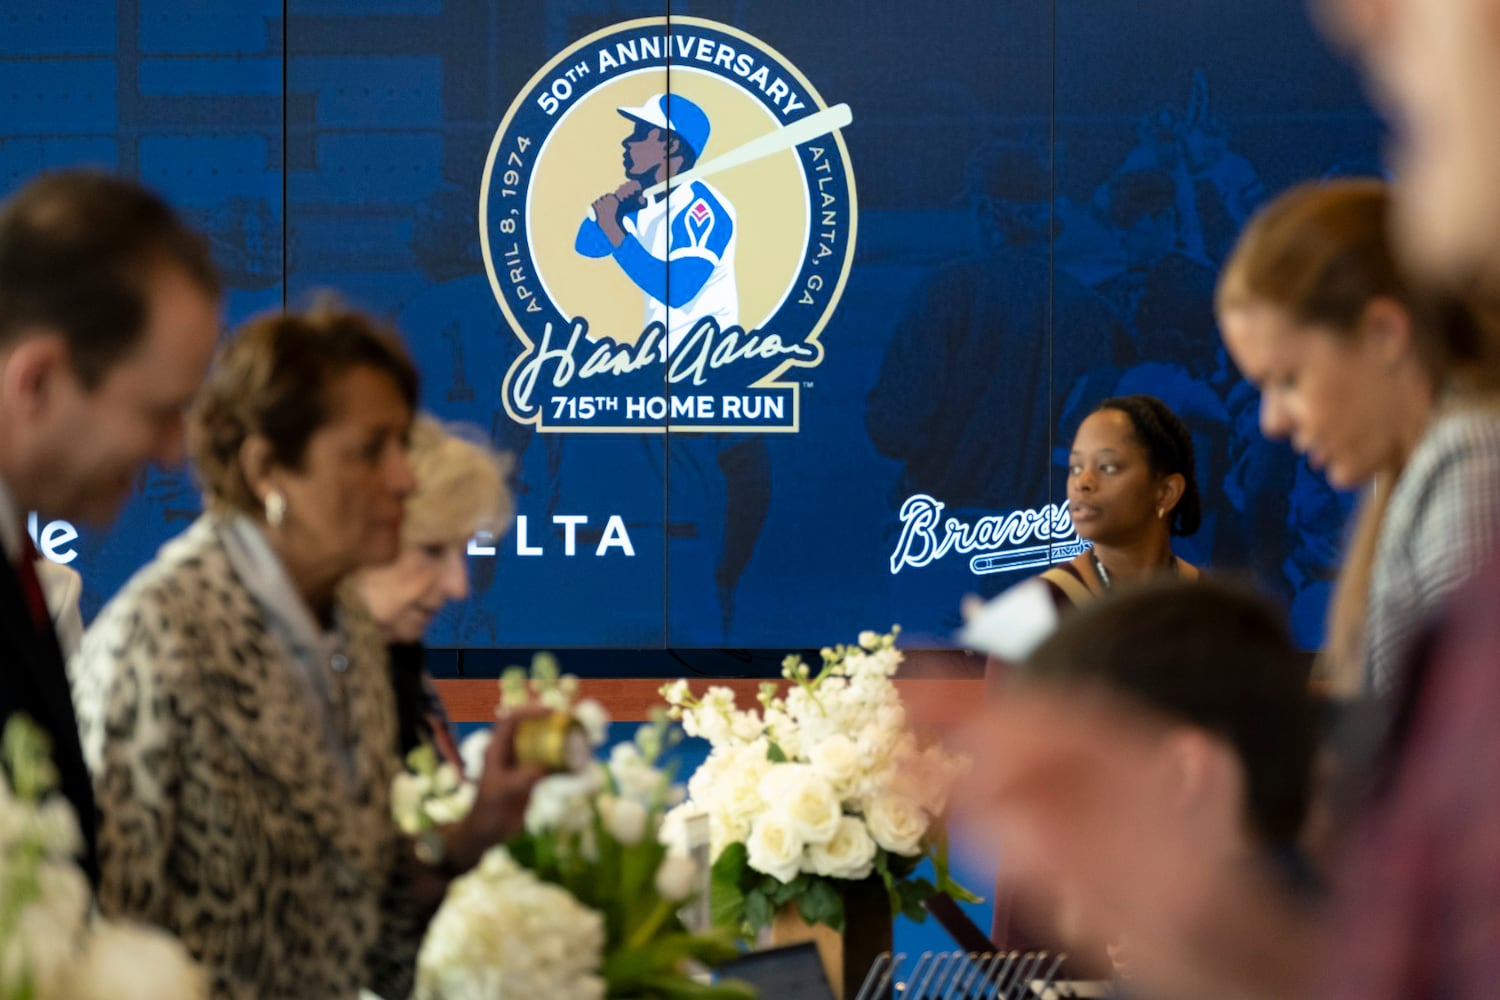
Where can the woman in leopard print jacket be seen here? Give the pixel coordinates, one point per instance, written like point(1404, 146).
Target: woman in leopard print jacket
point(235, 701)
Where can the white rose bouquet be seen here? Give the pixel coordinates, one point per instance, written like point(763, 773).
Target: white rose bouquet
point(827, 784)
point(49, 945)
point(591, 838)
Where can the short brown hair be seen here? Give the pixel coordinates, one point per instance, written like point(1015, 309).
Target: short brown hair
point(272, 379)
point(1210, 654)
point(76, 251)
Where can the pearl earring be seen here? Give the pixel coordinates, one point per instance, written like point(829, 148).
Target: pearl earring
point(275, 508)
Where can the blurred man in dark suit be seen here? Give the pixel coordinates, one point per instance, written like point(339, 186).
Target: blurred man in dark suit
point(109, 311)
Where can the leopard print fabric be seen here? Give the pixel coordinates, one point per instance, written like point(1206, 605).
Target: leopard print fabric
point(223, 816)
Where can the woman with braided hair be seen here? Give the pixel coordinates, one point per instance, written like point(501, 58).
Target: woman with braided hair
point(1131, 489)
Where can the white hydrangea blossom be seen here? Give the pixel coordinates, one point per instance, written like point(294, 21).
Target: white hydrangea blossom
point(502, 934)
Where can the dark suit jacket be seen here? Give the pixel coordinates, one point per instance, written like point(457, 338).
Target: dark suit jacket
point(33, 682)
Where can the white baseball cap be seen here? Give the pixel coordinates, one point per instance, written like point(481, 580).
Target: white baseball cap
point(676, 114)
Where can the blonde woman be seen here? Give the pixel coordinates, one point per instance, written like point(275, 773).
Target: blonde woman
point(460, 491)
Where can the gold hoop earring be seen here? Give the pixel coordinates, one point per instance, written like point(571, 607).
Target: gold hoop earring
point(275, 508)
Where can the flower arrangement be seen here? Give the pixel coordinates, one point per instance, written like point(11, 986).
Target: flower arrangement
point(504, 934)
point(827, 784)
point(49, 946)
point(584, 903)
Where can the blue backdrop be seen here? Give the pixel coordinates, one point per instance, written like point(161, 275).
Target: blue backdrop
point(1029, 208)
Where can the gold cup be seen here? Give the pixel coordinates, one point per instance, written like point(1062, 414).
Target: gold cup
point(554, 742)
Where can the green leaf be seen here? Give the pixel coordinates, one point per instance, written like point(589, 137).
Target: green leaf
point(712, 949)
point(940, 866)
point(902, 866)
point(912, 894)
point(758, 910)
point(727, 886)
point(523, 850)
point(727, 904)
point(961, 894)
point(775, 754)
point(731, 863)
point(822, 904)
point(624, 967)
point(782, 893)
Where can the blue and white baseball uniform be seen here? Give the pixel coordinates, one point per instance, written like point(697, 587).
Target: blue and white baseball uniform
point(679, 250)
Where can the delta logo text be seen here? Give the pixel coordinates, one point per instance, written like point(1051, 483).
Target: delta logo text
point(667, 256)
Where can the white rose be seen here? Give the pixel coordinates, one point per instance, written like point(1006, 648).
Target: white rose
point(838, 760)
point(676, 878)
point(805, 798)
point(624, 819)
point(850, 854)
point(775, 848)
point(897, 823)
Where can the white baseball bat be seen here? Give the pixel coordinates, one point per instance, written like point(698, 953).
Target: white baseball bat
point(787, 137)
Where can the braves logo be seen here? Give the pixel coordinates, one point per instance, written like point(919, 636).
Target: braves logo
point(998, 541)
point(610, 225)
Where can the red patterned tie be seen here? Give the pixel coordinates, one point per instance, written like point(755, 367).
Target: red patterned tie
point(31, 585)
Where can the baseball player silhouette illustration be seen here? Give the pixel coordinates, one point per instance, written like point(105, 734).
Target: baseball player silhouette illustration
point(677, 247)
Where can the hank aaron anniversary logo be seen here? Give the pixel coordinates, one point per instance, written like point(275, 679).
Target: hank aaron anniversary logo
point(667, 251)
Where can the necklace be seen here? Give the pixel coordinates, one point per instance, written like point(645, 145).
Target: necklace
point(1099, 570)
point(1103, 573)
